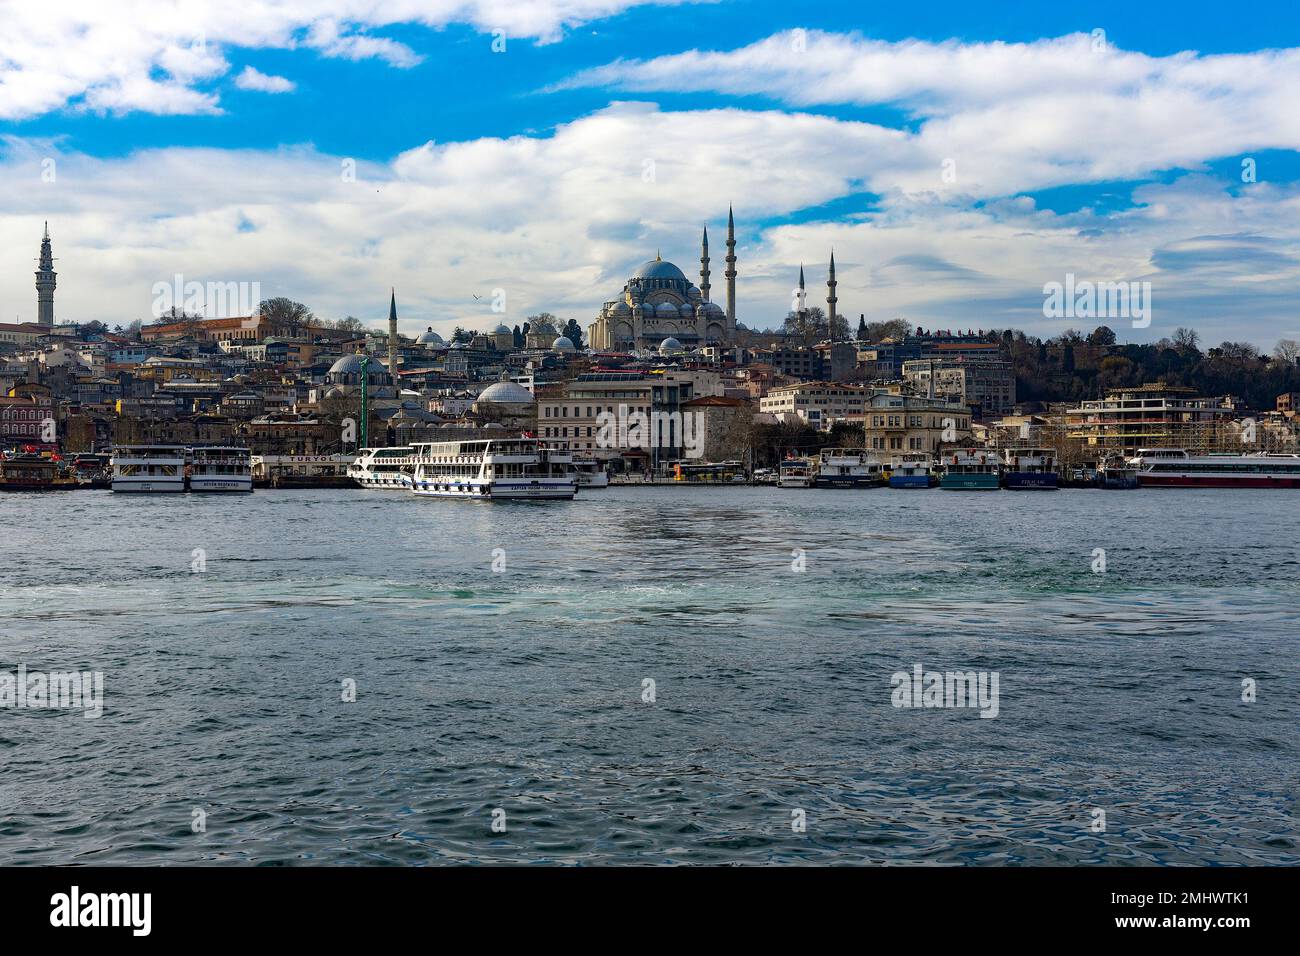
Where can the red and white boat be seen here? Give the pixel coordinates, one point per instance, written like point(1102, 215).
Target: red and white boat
point(1175, 468)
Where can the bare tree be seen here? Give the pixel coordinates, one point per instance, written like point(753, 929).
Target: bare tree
point(1286, 350)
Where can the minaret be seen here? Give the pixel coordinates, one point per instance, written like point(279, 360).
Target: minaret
point(704, 265)
point(392, 335)
point(803, 294)
point(730, 274)
point(45, 282)
point(831, 297)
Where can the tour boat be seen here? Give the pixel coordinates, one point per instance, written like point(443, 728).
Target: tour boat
point(1117, 475)
point(149, 468)
point(910, 473)
point(848, 468)
point(389, 468)
point(1029, 469)
point(32, 472)
point(220, 468)
point(591, 473)
point(970, 471)
point(493, 469)
point(796, 473)
point(1175, 468)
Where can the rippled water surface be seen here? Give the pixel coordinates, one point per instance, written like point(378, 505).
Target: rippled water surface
point(522, 689)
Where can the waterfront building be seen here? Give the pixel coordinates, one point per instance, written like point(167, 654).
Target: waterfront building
point(569, 416)
point(988, 383)
point(903, 423)
point(817, 404)
point(1148, 416)
point(23, 414)
point(721, 426)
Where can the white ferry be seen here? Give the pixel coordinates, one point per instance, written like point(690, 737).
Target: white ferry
point(149, 468)
point(1175, 468)
point(493, 469)
point(220, 468)
point(796, 473)
point(848, 468)
point(591, 473)
point(389, 468)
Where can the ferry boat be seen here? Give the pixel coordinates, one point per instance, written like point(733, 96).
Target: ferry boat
point(911, 473)
point(493, 469)
point(848, 468)
point(149, 468)
point(1175, 468)
point(1117, 475)
point(796, 473)
point(970, 471)
point(1030, 469)
point(389, 468)
point(32, 472)
point(219, 468)
point(591, 473)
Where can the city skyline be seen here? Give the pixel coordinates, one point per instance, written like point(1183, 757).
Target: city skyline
point(331, 157)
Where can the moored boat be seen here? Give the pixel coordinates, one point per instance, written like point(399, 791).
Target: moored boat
point(33, 472)
point(152, 469)
point(220, 468)
point(848, 468)
point(1029, 469)
point(970, 471)
point(590, 473)
point(796, 473)
point(911, 473)
point(493, 469)
point(1117, 475)
point(1176, 468)
point(386, 468)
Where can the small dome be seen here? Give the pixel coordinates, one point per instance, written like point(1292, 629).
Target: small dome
point(666, 310)
point(621, 308)
point(659, 269)
point(501, 329)
point(669, 345)
point(712, 308)
point(351, 365)
point(563, 344)
point(429, 337)
point(687, 311)
point(506, 393)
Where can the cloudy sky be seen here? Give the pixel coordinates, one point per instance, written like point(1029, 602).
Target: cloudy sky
point(955, 158)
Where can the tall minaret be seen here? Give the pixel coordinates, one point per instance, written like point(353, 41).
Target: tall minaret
point(704, 265)
point(45, 283)
point(831, 297)
point(730, 274)
point(392, 336)
point(803, 293)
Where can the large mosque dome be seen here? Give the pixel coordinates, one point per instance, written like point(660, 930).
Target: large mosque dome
point(659, 269)
point(506, 393)
point(347, 371)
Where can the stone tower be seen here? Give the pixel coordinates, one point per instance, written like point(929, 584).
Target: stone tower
point(392, 335)
point(704, 265)
point(730, 274)
point(45, 282)
point(831, 297)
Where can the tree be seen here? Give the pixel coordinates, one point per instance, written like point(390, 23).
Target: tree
point(1101, 335)
point(282, 311)
point(808, 326)
point(350, 323)
point(517, 337)
point(543, 318)
point(862, 328)
point(573, 332)
point(1186, 340)
point(1287, 351)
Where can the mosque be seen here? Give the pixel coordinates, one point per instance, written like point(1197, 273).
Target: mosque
point(659, 302)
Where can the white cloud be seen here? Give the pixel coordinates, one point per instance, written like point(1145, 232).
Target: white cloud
point(1010, 117)
point(559, 222)
point(251, 79)
point(154, 55)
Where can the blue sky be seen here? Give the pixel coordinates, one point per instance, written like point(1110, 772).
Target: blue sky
point(525, 170)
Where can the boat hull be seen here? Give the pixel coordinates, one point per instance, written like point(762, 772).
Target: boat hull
point(149, 486)
point(1119, 484)
point(229, 484)
point(1218, 481)
point(969, 482)
point(384, 482)
point(846, 481)
point(1030, 481)
point(909, 481)
point(543, 489)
